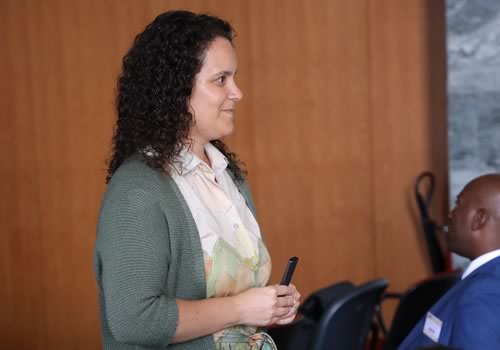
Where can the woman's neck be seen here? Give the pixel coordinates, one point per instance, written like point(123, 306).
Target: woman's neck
point(199, 151)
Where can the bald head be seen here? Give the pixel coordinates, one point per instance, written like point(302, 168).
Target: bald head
point(475, 220)
point(484, 192)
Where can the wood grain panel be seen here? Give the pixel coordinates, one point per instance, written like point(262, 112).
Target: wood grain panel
point(408, 71)
point(310, 106)
point(344, 103)
point(63, 59)
point(19, 220)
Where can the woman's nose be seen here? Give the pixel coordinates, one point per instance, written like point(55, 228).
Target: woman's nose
point(236, 93)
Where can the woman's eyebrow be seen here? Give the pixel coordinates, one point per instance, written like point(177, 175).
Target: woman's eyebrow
point(226, 73)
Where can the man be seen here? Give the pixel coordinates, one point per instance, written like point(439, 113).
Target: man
point(468, 315)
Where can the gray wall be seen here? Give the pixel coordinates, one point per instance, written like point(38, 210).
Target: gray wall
point(473, 90)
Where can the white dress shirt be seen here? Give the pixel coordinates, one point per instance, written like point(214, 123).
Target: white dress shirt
point(480, 261)
point(218, 208)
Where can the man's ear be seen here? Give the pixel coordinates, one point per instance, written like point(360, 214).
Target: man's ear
point(480, 218)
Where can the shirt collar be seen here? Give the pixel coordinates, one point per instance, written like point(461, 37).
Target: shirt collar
point(188, 161)
point(217, 159)
point(480, 261)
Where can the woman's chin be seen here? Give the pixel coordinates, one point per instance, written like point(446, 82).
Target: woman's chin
point(228, 130)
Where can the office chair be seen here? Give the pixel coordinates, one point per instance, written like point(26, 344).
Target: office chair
point(340, 306)
point(347, 322)
point(298, 334)
point(413, 304)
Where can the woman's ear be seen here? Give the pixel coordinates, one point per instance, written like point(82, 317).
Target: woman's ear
point(479, 219)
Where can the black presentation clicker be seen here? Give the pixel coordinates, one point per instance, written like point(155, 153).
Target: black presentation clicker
point(290, 268)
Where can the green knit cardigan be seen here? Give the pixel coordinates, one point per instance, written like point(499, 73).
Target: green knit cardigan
point(147, 254)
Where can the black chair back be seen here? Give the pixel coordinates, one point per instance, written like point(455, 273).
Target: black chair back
point(298, 335)
point(346, 323)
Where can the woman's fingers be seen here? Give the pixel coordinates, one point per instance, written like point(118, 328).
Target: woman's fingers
point(290, 315)
point(282, 290)
point(296, 293)
point(292, 311)
point(286, 320)
point(267, 305)
point(285, 301)
point(289, 301)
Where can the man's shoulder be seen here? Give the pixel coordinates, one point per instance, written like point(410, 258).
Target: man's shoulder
point(480, 287)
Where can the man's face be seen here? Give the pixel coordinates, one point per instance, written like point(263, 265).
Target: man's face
point(460, 233)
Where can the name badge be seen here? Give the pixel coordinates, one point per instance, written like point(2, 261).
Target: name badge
point(432, 327)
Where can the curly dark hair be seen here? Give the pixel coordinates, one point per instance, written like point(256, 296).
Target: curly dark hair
point(155, 86)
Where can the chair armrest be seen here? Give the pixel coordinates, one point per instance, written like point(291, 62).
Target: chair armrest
point(378, 310)
point(380, 321)
point(392, 295)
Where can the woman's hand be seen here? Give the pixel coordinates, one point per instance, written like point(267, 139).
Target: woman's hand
point(288, 318)
point(268, 305)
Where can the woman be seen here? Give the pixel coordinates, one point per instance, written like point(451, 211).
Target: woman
point(179, 257)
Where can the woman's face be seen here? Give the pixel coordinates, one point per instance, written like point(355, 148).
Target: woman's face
point(215, 94)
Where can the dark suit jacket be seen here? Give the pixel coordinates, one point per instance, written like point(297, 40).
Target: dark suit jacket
point(470, 313)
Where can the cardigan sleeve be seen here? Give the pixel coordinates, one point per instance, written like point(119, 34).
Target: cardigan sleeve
point(132, 254)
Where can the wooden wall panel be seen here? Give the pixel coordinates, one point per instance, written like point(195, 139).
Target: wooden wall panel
point(408, 69)
point(311, 110)
point(344, 104)
point(63, 58)
point(408, 65)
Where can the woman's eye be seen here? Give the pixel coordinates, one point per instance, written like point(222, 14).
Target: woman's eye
point(221, 80)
